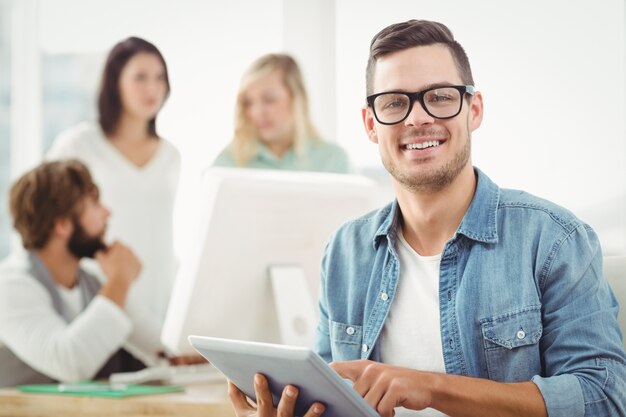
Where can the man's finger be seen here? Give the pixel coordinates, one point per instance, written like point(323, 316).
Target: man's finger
point(350, 369)
point(264, 401)
point(238, 399)
point(287, 403)
point(386, 405)
point(372, 393)
point(315, 410)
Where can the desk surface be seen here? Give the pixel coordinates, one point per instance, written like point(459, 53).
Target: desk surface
point(198, 400)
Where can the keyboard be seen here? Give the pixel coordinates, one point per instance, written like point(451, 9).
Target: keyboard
point(170, 375)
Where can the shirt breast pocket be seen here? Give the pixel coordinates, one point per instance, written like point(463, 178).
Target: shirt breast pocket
point(345, 341)
point(511, 344)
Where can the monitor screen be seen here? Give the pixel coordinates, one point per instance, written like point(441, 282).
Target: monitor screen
point(249, 222)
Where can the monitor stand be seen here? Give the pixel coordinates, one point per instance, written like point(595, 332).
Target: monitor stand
point(294, 305)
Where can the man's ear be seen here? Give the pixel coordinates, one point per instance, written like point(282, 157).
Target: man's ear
point(368, 123)
point(63, 228)
point(476, 111)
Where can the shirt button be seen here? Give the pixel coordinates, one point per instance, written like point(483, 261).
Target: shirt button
point(384, 296)
point(521, 334)
point(350, 330)
point(364, 347)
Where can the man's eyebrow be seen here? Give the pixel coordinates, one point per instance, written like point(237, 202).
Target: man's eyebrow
point(425, 87)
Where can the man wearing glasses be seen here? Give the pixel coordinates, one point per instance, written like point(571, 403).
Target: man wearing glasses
point(459, 298)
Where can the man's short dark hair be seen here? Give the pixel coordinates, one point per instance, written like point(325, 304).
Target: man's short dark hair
point(412, 33)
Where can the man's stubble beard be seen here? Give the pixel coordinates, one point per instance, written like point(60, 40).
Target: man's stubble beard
point(436, 180)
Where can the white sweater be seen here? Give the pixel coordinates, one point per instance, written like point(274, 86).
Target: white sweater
point(33, 330)
point(141, 201)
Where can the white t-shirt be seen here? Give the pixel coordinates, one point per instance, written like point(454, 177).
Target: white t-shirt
point(72, 299)
point(142, 203)
point(411, 336)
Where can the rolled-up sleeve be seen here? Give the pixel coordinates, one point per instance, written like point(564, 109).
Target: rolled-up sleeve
point(583, 355)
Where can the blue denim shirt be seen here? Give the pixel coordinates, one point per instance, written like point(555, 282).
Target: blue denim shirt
point(522, 297)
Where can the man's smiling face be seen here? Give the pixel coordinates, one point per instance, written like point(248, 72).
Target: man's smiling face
point(423, 153)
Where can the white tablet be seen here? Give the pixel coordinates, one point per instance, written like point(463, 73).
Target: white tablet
point(284, 365)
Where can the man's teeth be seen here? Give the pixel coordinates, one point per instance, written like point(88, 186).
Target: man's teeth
point(422, 145)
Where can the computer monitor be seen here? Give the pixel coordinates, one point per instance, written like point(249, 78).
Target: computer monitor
point(253, 222)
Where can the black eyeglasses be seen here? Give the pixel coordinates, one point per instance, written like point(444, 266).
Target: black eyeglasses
point(444, 102)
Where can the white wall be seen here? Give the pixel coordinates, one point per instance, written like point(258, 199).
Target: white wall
point(25, 87)
point(553, 76)
point(309, 35)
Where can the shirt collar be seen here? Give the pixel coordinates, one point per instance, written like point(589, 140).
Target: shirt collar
point(263, 152)
point(388, 227)
point(479, 222)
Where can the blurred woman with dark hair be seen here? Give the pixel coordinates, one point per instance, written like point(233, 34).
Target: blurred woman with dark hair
point(137, 169)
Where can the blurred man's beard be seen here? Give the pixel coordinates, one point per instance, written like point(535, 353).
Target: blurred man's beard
point(82, 245)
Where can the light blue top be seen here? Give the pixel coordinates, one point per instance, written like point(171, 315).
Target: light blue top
point(317, 156)
point(522, 297)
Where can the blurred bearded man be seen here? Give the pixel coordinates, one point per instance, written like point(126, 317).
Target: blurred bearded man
point(57, 321)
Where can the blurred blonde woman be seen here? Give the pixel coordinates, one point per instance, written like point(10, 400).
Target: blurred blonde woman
point(273, 128)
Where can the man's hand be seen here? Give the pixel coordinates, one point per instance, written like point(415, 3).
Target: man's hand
point(183, 359)
point(121, 267)
point(385, 387)
point(265, 406)
point(119, 263)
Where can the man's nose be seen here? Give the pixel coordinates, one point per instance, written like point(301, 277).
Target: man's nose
point(418, 116)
